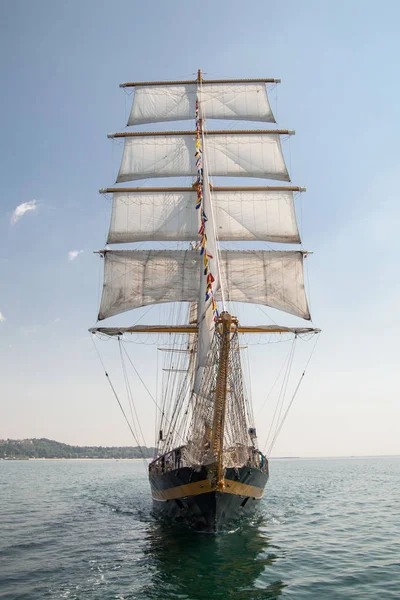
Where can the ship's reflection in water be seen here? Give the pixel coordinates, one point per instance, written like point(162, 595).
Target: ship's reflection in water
point(193, 566)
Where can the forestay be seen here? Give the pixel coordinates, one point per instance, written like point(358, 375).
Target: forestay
point(134, 278)
point(241, 215)
point(237, 101)
point(232, 155)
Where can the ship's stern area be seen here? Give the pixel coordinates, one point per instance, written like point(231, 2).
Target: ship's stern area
point(194, 496)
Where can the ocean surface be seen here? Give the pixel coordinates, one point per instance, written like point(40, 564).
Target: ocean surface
point(326, 530)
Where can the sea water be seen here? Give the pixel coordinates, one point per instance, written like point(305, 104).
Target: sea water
point(326, 530)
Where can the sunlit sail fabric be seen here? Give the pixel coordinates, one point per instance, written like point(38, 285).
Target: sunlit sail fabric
point(236, 101)
point(134, 278)
point(240, 215)
point(232, 155)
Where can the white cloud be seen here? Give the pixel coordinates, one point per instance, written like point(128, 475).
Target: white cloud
point(2, 318)
point(72, 254)
point(22, 209)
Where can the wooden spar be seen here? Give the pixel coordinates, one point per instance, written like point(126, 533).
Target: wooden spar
point(127, 250)
point(105, 251)
point(236, 188)
point(225, 322)
point(194, 81)
point(177, 350)
point(124, 134)
point(115, 331)
point(276, 329)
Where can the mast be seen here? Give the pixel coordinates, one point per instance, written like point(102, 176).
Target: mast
point(205, 333)
point(209, 276)
point(218, 429)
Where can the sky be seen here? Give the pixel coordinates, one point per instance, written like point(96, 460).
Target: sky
point(61, 66)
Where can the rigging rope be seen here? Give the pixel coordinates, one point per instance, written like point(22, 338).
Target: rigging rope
point(293, 397)
point(130, 397)
point(281, 396)
point(119, 403)
point(289, 370)
point(145, 386)
point(275, 382)
point(176, 392)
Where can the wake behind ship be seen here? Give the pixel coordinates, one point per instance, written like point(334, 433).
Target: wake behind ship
point(208, 471)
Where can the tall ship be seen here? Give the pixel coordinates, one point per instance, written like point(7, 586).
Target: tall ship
point(200, 248)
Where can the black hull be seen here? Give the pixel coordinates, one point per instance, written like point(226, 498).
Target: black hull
point(191, 496)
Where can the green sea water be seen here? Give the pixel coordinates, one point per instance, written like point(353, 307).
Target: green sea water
point(326, 530)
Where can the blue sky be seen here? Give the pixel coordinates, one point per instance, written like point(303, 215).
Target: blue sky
point(61, 64)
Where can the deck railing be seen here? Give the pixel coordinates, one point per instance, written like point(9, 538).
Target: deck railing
point(234, 457)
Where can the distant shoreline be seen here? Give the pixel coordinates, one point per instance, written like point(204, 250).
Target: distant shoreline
point(45, 449)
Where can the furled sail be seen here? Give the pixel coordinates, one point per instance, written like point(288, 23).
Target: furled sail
point(236, 101)
point(241, 215)
point(233, 155)
point(134, 278)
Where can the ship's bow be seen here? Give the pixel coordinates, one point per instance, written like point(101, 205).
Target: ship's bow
point(194, 497)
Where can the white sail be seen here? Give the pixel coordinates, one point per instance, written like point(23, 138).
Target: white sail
point(134, 278)
point(241, 215)
point(245, 215)
point(232, 155)
point(236, 101)
point(157, 216)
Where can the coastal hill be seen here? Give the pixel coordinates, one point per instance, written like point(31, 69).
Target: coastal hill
point(44, 448)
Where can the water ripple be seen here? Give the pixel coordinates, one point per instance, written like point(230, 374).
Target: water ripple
point(326, 530)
